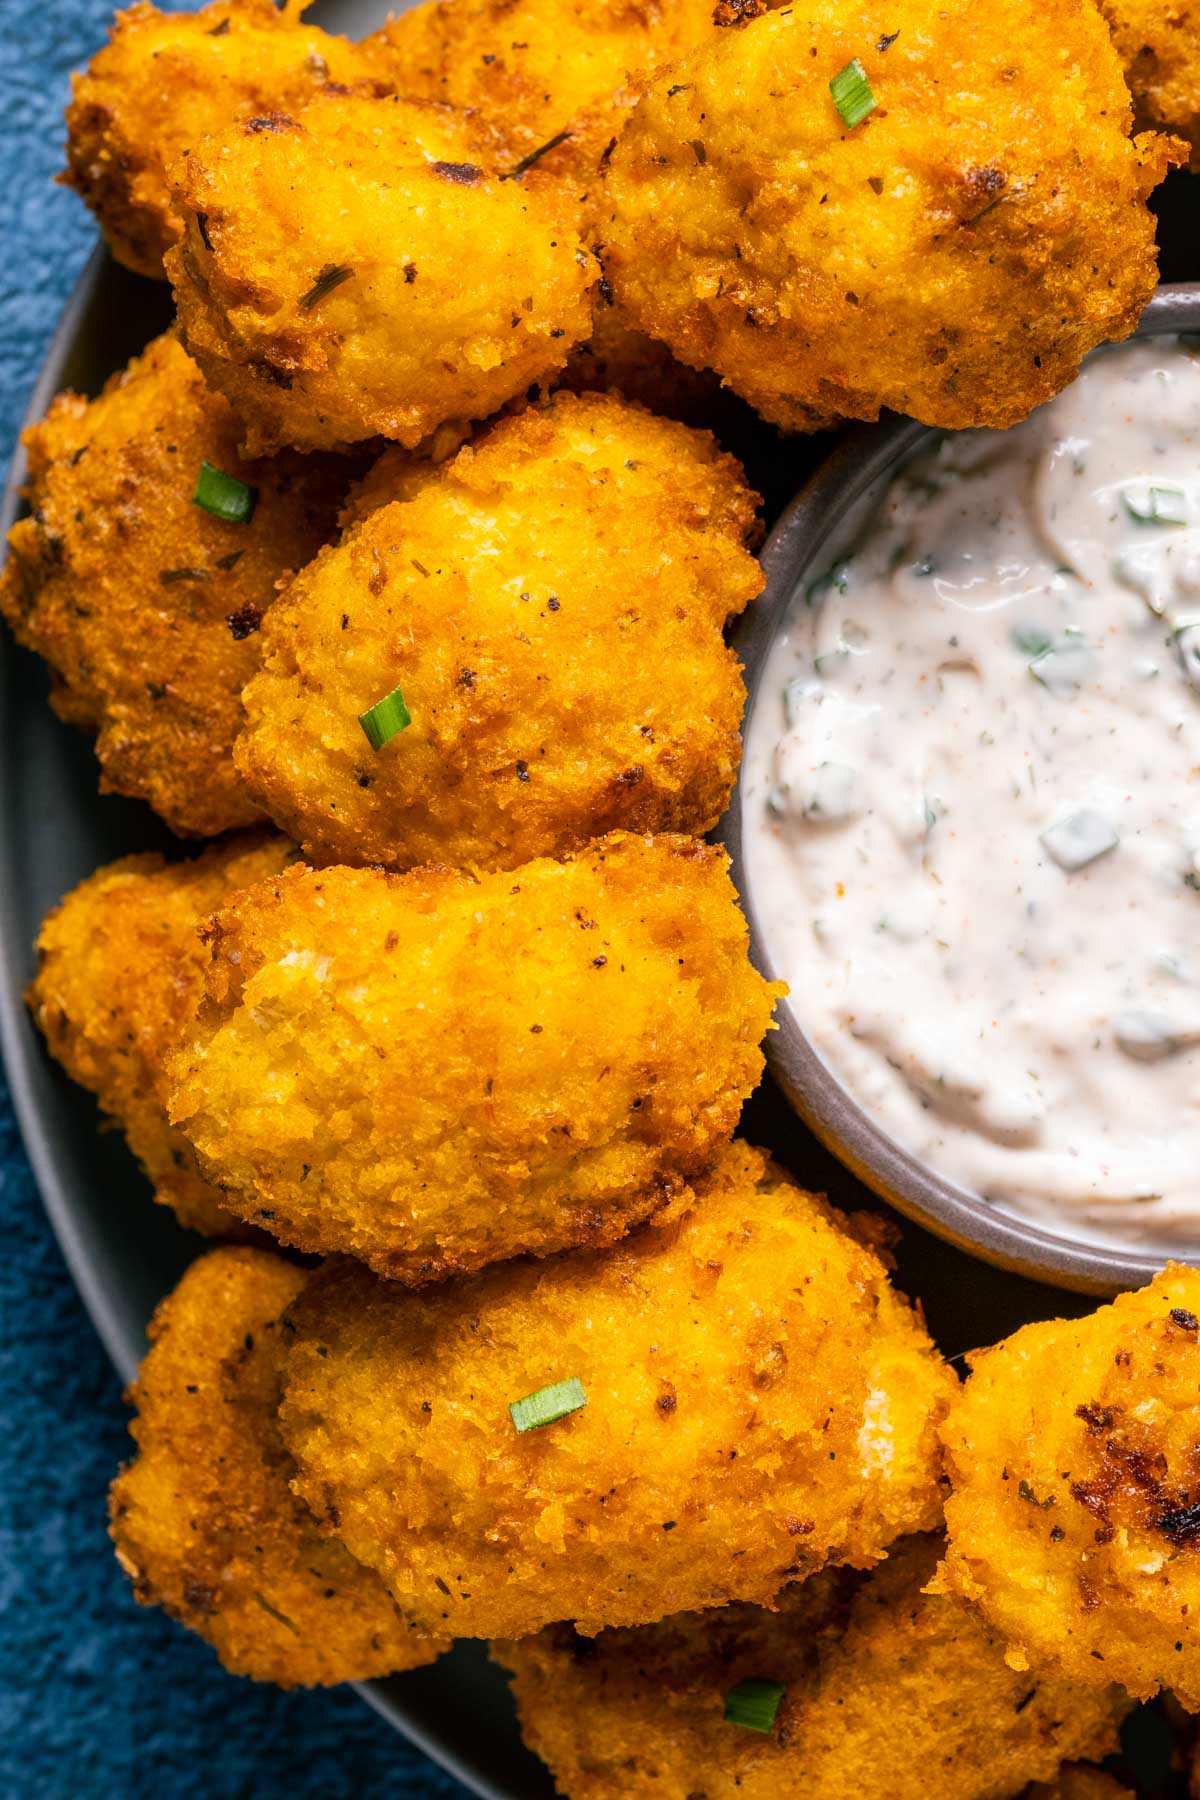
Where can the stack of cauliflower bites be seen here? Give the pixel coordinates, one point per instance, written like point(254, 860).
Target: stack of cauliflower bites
point(376, 569)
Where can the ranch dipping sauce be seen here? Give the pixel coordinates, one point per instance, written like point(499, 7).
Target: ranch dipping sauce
point(971, 802)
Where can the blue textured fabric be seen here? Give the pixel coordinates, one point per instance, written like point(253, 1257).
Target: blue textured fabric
point(98, 1696)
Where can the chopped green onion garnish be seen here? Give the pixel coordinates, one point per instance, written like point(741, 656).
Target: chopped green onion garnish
point(385, 719)
point(1164, 506)
point(852, 93)
point(224, 495)
point(754, 1703)
point(548, 1404)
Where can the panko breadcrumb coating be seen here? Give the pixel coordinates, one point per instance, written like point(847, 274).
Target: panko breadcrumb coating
point(1075, 1519)
point(954, 256)
point(146, 606)
point(350, 272)
point(760, 1403)
point(205, 1523)
point(551, 604)
point(890, 1692)
point(164, 81)
point(527, 71)
point(431, 1072)
point(120, 970)
point(1159, 44)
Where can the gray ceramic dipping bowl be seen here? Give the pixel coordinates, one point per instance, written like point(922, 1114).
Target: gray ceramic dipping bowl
point(799, 547)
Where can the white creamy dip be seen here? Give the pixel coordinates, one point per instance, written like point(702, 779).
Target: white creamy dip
point(972, 806)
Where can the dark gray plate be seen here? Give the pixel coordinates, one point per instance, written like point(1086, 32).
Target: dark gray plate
point(123, 1251)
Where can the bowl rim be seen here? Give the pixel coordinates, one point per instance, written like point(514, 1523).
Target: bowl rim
point(815, 1093)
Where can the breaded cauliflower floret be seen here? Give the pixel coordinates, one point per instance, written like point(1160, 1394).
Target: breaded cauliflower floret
point(205, 1523)
point(432, 1072)
point(120, 970)
point(1159, 45)
point(527, 71)
point(163, 82)
point(551, 604)
point(1075, 1519)
point(349, 272)
point(953, 256)
point(889, 1692)
point(146, 606)
point(759, 1403)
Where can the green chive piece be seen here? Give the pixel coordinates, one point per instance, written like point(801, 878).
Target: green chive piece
point(383, 721)
point(548, 1404)
point(224, 495)
point(852, 93)
point(754, 1703)
point(1164, 506)
point(535, 156)
point(1032, 640)
point(331, 276)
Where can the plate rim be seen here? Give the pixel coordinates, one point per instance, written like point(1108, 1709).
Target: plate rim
point(14, 1024)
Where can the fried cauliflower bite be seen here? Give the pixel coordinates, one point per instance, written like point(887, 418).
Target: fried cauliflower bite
point(551, 604)
point(1159, 44)
point(888, 1691)
point(1075, 1519)
point(954, 256)
point(163, 81)
point(529, 72)
point(432, 1072)
point(146, 606)
point(120, 970)
point(349, 273)
point(204, 1521)
point(759, 1403)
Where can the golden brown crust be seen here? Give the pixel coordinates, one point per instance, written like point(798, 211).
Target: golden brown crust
point(954, 256)
point(759, 1402)
point(204, 1521)
point(527, 70)
point(163, 81)
point(1159, 45)
point(146, 606)
point(889, 1691)
point(351, 273)
point(1074, 1523)
point(120, 970)
point(551, 604)
point(431, 1072)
